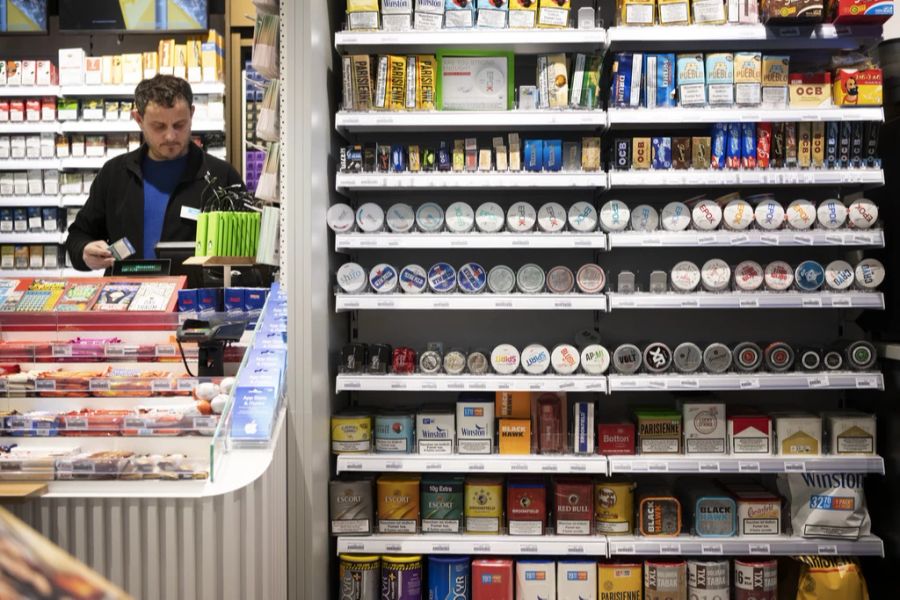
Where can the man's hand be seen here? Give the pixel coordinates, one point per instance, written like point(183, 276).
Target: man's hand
point(97, 256)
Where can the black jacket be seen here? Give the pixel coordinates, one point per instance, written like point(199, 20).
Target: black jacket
point(115, 207)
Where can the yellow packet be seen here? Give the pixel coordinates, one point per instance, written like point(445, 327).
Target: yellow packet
point(396, 82)
point(553, 13)
point(425, 82)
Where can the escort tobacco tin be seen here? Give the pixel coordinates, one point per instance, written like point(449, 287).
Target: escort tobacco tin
point(687, 357)
point(583, 217)
point(521, 217)
point(535, 359)
point(685, 276)
point(748, 276)
point(340, 218)
point(769, 214)
point(863, 213)
point(869, 274)
point(594, 359)
point(489, 218)
point(706, 215)
point(460, 218)
point(383, 279)
point(614, 216)
point(565, 359)
point(717, 358)
point(369, 218)
point(676, 216)
point(352, 278)
point(832, 214)
point(505, 359)
point(644, 218)
point(472, 278)
point(626, 359)
point(442, 504)
point(747, 357)
point(838, 275)
point(441, 278)
point(430, 218)
point(413, 279)
point(398, 503)
point(715, 275)
point(530, 279)
point(401, 218)
point(501, 280)
point(657, 357)
point(590, 279)
point(560, 280)
point(551, 217)
point(779, 276)
point(809, 276)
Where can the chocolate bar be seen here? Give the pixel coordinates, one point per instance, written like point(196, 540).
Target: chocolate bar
point(681, 152)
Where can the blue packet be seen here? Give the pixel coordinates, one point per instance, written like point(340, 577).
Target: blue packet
point(234, 301)
point(443, 158)
point(552, 155)
point(659, 80)
point(748, 145)
point(209, 300)
point(626, 80)
point(733, 147)
point(398, 158)
point(662, 153)
point(187, 301)
point(534, 155)
point(254, 300)
point(717, 152)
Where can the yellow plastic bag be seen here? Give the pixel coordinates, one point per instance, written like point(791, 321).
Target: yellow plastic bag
point(831, 578)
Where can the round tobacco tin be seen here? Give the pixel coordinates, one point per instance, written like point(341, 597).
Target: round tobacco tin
point(383, 278)
point(590, 279)
point(454, 362)
point(614, 216)
point(738, 215)
point(460, 217)
point(369, 217)
point(715, 275)
point(685, 276)
point(594, 359)
point(779, 276)
point(861, 355)
point(340, 218)
point(501, 280)
point(489, 218)
point(809, 276)
point(838, 275)
point(413, 279)
point(644, 218)
point(477, 363)
point(801, 214)
point(779, 357)
point(401, 218)
point(869, 273)
point(747, 357)
point(535, 359)
point(706, 215)
point(530, 279)
point(505, 359)
point(687, 357)
point(832, 214)
point(748, 276)
point(430, 218)
point(551, 217)
point(833, 360)
point(583, 217)
point(565, 359)
point(352, 278)
point(560, 280)
point(472, 278)
point(430, 362)
point(441, 278)
point(717, 358)
point(657, 357)
point(810, 360)
point(626, 359)
point(769, 214)
point(520, 217)
point(676, 216)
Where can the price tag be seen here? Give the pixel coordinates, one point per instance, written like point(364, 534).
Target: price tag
point(353, 466)
point(811, 302)
point(390, 304)
point(749, 384)
point(186, 384)
point(440, 548)
point(349, 385)
point(818, 381)
point(61, 350)
point(165, 350)
point(518, 467)
point(737, 240)
point(550, 467)
point(659, 383)
point(715, 549)
point(161, 385)
point(98, 384)
point(651, 241)
point(627, 383)
point(528, 548)
point(477, 386)
point(658, 467)
point(827, 550)
point(486, 548)
point(806, 240)
point(476, 467)
point(521, 242)
point(45, 385)
point(352, 547)
point(399, 385)
point(867, 382)
point(393, 547)
point(76, 423)
point(563, 304)
point(769, 240)
point(575, 549)
point(114, 350)
point(620, 467)
point(429, 386)
point(795, 467)
point(748, 302)
point(705, 240)
point(688, 383)
point(394, 465)
point(748, 467)
point(624, 549)
point(434, 466)
point(638, 466)
point(670, 548)
point(709, 467)
point(578, 243)
point(690, 303)
point(842, 302)
point(503, 304)
point(135, 423)
point(759, 549)
point(350, 304)
point(205, 422)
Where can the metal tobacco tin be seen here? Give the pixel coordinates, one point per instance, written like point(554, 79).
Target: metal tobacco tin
point(369, 217)
point(779, 276)
point(565, 359)
point(738, 215)
point(839, 275)
point(614, 216)
point(340, 218)
point(676, 216)
point(535, 359)
point(521, 217)
point(460, 217)
point(442, 278)
point(706, 215)
point(401, 218)
point(413, 279)
point(626, 359)
point(833, 360)
point(869, 273)
point(657, 357)
point(863, 213)
point(687, 357)
point(769, 214)
point(501, 280)
point(809, 276)
point(861, 355)
point(810, 360)
point(489, 218)
point(352, 278)
point(717, 358)
point(430, 362)
point(590, 279)
point(832, 214)
point(530, 279)
point(472, 278)
point(715, 275)
point(685, 276)
point(747, 357)
point(594, 359)
point(801, 214)
point(779, 357)
point(560, 280)
point(505, 359)
point(644, 218)
point(583, 217)
point(477, 363)
point(748, 276)
point(430, 218)
point(551, 217)
point(383, 278)
point(454, 362)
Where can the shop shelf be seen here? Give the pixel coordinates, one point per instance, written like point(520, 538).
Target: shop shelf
point(363, 122)
point(743, 546)
point(28, 91)
point(36, 237)
point(546, 545)
point(785, 237)
point(126, 90)
point(458, 383)
point(460, 301)
point(128, 126)
point(26, 200)
point(509, 241)
point(466, 463)
point(519, 41)
point(676, 115)
point(748, 300)
point(73, 200)
point(697, 178)
point(756, 37)
point(744, 464)
point(25, 164)
point(30, 127)
point(356, 182)
point(83, 162)
point(831, 380)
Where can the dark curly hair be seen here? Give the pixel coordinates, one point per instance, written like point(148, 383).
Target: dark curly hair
point(164, 90)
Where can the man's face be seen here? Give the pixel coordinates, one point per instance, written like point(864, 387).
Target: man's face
point(167, 131)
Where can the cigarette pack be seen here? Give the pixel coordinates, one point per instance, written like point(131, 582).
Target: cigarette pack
point(798, 434)
point(459, 14)
point(850, 433)
point(859, 12)
point(515, 436)
point(750, 434)
point(704, 428)
point(659, 431)
point(637, 12)
point(492, 14)
point(709, 12)
point(29, 72)
point(583, 427)
point(396, 15)
point(673, 12)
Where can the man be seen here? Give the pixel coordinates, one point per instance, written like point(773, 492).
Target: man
point(154, 193)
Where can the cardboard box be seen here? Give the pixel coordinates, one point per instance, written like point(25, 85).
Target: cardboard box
point(526, 506)
point(641, 153)
point(362, 14)
point(850, 433)
point(674, 12)
point(691, 80)
point(798, 434)
point(583, 428)
point(515, 405)
point(397, 499)
point(475, 427)
point(616, 438)
point(435, 432)
point(750, 435)
point(775, 71)
point(515, 436)
point(709, 12)
point(483, 505)
point(791, 12)
point(809, 90)
point(859, 12)
point(553, 13)
point(858, 87)
point(720, 78)
point(659, 431)
point(429, 15)
point(457, 16)
point(705, 429)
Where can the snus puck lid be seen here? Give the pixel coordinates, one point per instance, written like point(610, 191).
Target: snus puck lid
point(520, 217)
point(657, 357)
point(471, 278)
point(340, 218)
point(614, 216)
point(869, 273)
point(861, 355)
point(747, 356)
point(430, 218)
point(779, 357)
point(685, 276)
point(738, 215)
point(801, 214)
point(706, 215)
point(560, 280)
point(352, 278)
point(551, 217)
point(401, 218)
point(626, 359)
point(594, 359)
point(454, 362)
point(863, 213)
point(810, 360)
point(748, 276)
point(809, 276)
point(383, 278)
point(832, 214)
point(489, 218)
point(769, 215)
point(441, 278)
point(535, 359)
point(838, 275)
point(530, 279)
point(583, 217)
point(460, 217)
point(687, 357)
point(501, 280)
point(565, 359)
point(779, 276)
point(477, 363)
point(717, 358)
point(369, 217)
point(430, 362)
point(413, 279)
point(505, 359)
point(591, 279)
point(715, 275)
point(644, 218)
point(676, 216)
point(833, 360)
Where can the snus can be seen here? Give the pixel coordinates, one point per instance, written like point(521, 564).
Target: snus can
point(706, 215)
point(472, 278)
point(779, 357)
point(449, 578)
point(861, 355)
point(715, 275)
point(590, 279)
point(359, 577)
point(665, 580)
point(657, 357)
point(489, 217)
point(717, 358)
point(551, 217)
point(832, 214)
point(709, 579)
point(755, 580)
point(594, 359)
point(676, 216)
point(460, 217)
point(747, 357)
point(401, 578)
point(442, 278)
point(383, 278)
point(626, 359)
point(583, 217)
point(769, 215)
point(501, 280)
point(644, 218)
point(413, 279)
point(614, 216)
point(839, 275)
point(687, 357)
point(809, 276)
point(779, 276)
